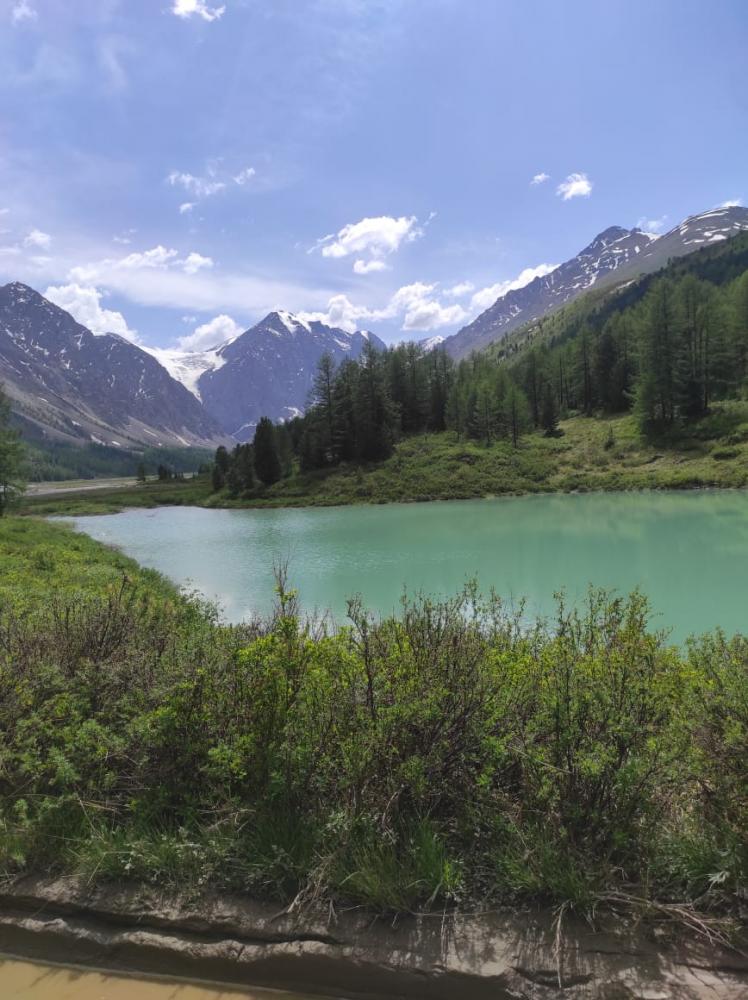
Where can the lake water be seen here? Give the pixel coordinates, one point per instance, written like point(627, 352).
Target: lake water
point(687, 551)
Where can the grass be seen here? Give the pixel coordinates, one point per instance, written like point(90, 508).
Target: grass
point(588, 454)
point(446, 756)
point(39, 559)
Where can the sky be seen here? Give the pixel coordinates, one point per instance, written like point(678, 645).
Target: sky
point(173, 170)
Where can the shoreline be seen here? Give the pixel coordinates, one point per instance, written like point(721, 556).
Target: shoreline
point(232, 941)
point(69, 497)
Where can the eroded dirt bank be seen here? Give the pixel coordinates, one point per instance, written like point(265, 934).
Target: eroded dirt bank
point(229, 940)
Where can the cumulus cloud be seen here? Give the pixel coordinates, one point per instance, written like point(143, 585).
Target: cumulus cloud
point(186, 207)
point(83, 302)
point(244, 176)
point(367, 266)
point(376, 238)
point(200, 187)
point(211, 334)
point(461, 288)
point(23, 11)
point(422, 306)
point(195, 262)
point(422, 310)
point(540, 178)
point(197, 8)
point(36, 238)
point(732, 203)
point(486, 297)
point(651, 225)
point(575, 186)
point(342, 313)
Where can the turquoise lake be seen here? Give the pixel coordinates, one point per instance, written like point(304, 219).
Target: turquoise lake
point(687, 551)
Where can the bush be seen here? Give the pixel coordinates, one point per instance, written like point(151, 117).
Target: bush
point(450, 753)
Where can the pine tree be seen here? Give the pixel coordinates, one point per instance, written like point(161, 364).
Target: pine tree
point(140, 474)
point(220, 468)
point(516, 413)
point(267, 462)
point(549, 411)
point(376, 415)
point(322, 400)
point(11, 458)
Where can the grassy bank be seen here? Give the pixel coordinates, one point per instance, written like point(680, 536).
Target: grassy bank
point(446, 756)
point(588, 454)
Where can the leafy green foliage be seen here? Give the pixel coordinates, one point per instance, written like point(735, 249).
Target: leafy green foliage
point(11, 459)
point(450, 754)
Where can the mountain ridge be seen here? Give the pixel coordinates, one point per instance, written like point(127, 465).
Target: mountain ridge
point(613, 255)
point(70, 384)
point(267, 370)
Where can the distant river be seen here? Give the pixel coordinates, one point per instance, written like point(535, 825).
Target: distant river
point(687, 551)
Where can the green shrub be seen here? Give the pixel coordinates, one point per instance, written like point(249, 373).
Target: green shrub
point(452, 753)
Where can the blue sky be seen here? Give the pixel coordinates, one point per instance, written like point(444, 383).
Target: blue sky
point(173, 166)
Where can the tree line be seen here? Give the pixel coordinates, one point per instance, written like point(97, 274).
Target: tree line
point(11, 458)
point(666, 354)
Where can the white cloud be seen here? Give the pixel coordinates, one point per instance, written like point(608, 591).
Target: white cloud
point(540, 178)
point(84, 304)
point(124, 238)
point(200, 187)
point(195, 262)
point(244, 176)
point(420, 306)
point(157, 257)
point(186, 8)
point(342, 313)
point(460, 289)
point(651, 225)
point(186, 207)
point(486, 297)
point(36, 238)
point(209, 290)
point(575, 186)
point(376, 237)
point(732, 203)
point(367, 266)
point(217, 331)
point(23, 11)
point(422, 310)
point(416, 305)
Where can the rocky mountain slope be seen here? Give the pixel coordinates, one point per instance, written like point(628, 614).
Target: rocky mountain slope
point(266, 371)
point(67, 384)
point(615, 255)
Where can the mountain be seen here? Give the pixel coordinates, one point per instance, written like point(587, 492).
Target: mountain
point(616, 255)
point(267, 371)
point(67, 384)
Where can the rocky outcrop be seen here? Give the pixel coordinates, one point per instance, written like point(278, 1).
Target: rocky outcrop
point(234, 941)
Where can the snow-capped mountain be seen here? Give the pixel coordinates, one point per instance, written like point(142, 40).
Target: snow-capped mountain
point(188, 367)
point(65, 383)
point(267, 371)
point(430, 343)
point(614, 255)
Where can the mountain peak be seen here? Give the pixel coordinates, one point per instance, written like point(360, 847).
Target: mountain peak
point(616, 254)
point(290, 321)
point(610, 235)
